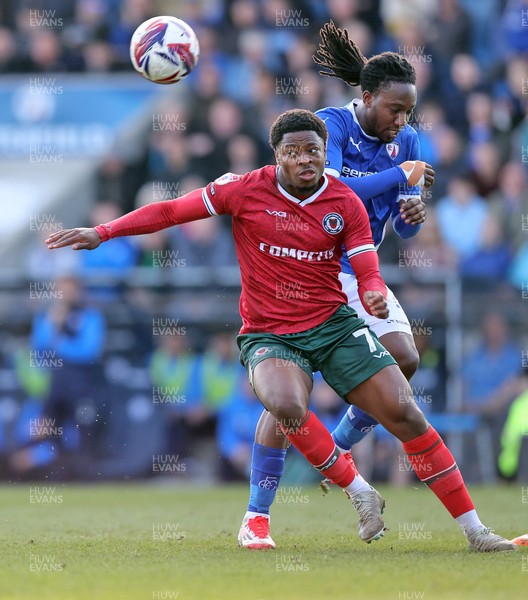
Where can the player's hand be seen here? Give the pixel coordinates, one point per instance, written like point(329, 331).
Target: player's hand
point(412, 210)
point(81, 238)
point(376, 304)
point(429, 175)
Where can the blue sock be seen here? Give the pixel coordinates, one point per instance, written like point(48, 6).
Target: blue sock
point(267, 466)
point(353, 427)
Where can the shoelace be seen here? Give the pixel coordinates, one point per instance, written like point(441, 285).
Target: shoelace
point(364, 502)
point(479, 541)
point(259, 526)
point(478, 531)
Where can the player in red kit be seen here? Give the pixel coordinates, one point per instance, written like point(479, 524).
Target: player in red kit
point(283, 340)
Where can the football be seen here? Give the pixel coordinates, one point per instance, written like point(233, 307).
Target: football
point(164, 49)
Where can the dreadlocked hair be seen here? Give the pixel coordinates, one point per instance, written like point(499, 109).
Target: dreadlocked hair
point(344, 60)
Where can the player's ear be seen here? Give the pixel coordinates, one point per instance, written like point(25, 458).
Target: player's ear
point(367, 98)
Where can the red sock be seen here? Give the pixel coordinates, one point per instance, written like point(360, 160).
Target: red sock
point(435, 466)
point(314, 441)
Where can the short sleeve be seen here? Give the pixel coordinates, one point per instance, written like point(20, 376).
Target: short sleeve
point(221, 196)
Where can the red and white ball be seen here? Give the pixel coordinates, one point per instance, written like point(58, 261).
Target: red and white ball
point(164, 49)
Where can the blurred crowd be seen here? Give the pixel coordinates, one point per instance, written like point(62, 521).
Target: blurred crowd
point(471, 60)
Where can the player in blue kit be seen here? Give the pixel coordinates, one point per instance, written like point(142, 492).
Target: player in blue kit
point(372, 149)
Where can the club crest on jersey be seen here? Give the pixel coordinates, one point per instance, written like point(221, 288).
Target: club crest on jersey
point(227, 178)
point(333, 223)
point(262, 351)
point(393, 149)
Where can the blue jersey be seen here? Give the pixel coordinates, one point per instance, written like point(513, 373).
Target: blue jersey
point(352, 153)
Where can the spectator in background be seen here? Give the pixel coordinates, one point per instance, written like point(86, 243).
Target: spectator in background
point(115, 260)
point(99, 57)
point(235, 430)
point(243, 154)
point(225, 120)
point(429, 250)
point(68, 338)
point(461, 217)
point(509, 204)
point(511, 31)
point(429, 382)
point(118, 179)
point(244, 65)
point(518, 274)
point(485, 165)
point(220, 371)
point(174, 371)
point(46, 54)
point(479, 115)
point(490, 263)
point(448, 33)
point(465, 76)
point(494, 361)
point(9, 60)
point(514, 434)
point(429, 122)
point(41, 264)
point(449, 147)
point(28, 450)
point(482, 127)
point(170, 154)
point(483, 16)
point(397, 14)
point(488, 373)
point(510, 94)
point(206, 89)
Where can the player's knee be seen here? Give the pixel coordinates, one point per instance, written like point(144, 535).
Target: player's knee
point(287, 408)
point(414, 420)
point(408, 360)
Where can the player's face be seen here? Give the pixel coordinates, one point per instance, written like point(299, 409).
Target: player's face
point(300, 157)
point(389, 110)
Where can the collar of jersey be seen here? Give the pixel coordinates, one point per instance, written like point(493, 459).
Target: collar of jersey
point(308, 200)
point(352, 108)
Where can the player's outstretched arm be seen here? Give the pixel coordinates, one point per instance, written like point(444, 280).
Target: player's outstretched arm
point(146, 219)
point(407, 173)
point(372, 185)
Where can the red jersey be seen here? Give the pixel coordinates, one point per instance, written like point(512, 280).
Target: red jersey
point(289, 248)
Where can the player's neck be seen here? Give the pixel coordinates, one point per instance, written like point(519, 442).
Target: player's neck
point(361, 115)
point(294, 191)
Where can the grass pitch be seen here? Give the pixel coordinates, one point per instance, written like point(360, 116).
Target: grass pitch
point(152, 542)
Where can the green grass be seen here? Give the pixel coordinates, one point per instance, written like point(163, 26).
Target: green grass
point(99, 541)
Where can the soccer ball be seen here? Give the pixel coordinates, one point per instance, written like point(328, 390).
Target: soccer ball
point(164, 49)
